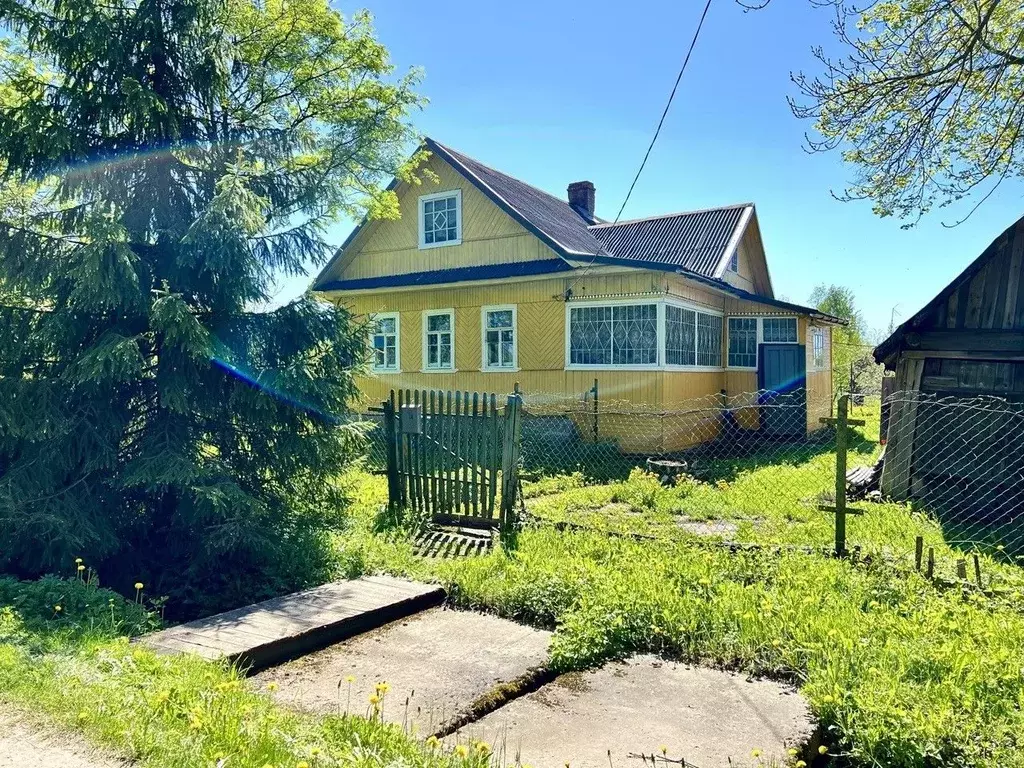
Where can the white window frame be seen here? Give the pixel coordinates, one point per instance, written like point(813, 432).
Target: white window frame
point(734, 261)
point(757, 342)
point(423, 322)
point(661, 365)
point(483, 339)
point(421, 225)
point(760, 328)
point(396, 316)
point(760, 336)
point(817, 332)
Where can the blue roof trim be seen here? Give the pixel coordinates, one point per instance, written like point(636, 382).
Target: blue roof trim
point(456, 275)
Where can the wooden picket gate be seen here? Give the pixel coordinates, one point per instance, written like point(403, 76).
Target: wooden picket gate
point(449, 455)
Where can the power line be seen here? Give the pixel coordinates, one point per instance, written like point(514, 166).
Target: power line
point(664, 113)
point(657, 131)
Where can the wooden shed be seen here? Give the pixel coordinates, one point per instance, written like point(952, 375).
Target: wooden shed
point(967, 342)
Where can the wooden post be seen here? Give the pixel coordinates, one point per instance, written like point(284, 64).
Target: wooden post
point(391, 438)
point(510, 460)
point(844, 406)
point(594, 391)
point(977, 570)
point(961, 569)
point(931, 562)
point(918, 552)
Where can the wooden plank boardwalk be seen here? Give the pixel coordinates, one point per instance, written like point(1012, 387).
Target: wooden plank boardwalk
point(264, 634)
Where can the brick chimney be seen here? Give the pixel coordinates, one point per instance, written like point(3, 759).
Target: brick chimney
point(582, 197)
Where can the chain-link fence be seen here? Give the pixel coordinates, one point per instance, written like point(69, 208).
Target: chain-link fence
point(961, 461)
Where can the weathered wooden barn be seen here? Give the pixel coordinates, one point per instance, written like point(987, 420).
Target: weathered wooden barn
point(967, 342)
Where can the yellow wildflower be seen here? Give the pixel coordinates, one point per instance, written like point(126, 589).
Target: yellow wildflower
point(383, 688)
point(302, 764)
point(350, 679)
point(800, 764)
point(791, 751)
point(138, 585)
point(78, 561)
point(57, 608)
point(314, 751)
point(755, 753)
point(664, 749)
point(432, 741)
point(461, 750)
point(822, 750)
point(81, 567)
point(374, 699)
point(271, 686)
point(482, 748)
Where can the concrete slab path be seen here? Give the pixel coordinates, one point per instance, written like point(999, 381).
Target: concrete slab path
point(623, 709)
point(24, 743)
point(436, 664)
point(285, 627)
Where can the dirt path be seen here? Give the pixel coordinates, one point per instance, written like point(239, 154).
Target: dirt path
point(23, 743)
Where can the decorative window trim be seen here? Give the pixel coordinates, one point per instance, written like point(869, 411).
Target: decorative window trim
point(423, 322)
point(760, 328)
point(484, 367)
point(760, 335)
point(817, 332)
point(396, 316)
point(661, 365)
point(757, 342)
point(421, 223)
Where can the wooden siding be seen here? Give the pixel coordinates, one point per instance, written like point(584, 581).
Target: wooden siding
point(489, 235)
point(541, 339)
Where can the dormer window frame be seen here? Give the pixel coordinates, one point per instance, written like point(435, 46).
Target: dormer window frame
point(422, 218)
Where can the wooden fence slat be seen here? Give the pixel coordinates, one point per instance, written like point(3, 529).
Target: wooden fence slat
point(494, 459)
point(456, 449)
point(446, 459)
point(403, 475)
point(471, 455)
point(432, 437)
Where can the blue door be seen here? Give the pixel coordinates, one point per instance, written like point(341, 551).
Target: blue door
point(782, 379)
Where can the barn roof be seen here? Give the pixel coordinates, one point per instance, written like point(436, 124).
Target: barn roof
point(895, 340)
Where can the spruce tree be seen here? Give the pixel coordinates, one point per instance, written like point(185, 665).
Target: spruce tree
point(163, 163)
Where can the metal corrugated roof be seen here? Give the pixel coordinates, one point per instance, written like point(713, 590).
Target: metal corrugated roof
point(696, 241)
point(552, 216)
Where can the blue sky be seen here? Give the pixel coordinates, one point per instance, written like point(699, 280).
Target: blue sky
point(553, 92)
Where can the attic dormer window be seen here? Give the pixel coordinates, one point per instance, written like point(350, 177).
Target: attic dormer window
point(734, 261)
point(441, 219)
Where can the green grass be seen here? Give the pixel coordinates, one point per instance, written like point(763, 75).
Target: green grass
point(76, 667)
point(901, 672)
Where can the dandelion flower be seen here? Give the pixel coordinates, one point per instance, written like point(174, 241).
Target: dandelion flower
point(81, 567)
point(461, 750)
point(57, 608)
point(350, 679)
point(483, 748)
point(432, 741)
point(302, 764)
point(314, 751)
point(138, 585)
point(383, 688)
point(271, 686)
point(78, 560)
point(374, 699)
point(800, 764)
point(755, 753)
point(822, 750)
point(791, 751)
point(664, 749)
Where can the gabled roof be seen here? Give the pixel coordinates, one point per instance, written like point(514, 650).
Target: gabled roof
point(895, 340)
point(698, 241)
point(695, 244)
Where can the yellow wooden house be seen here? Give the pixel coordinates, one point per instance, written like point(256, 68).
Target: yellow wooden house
point(485, 281)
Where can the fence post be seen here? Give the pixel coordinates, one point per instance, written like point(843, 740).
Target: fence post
point(844, 405)
point(390, 438)
point(594, 390)
point(510, 459)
